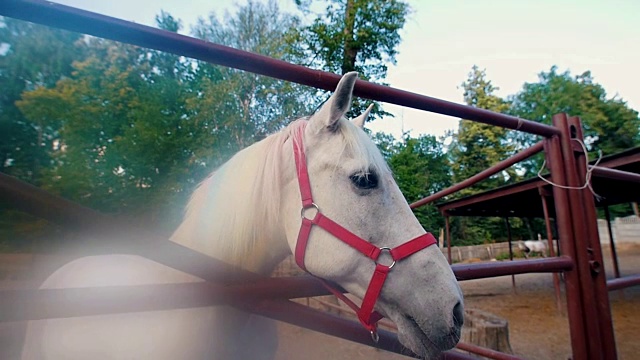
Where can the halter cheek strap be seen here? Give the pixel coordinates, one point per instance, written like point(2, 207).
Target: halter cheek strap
point(366, 313)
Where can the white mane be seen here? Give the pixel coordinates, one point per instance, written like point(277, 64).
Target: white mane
point(233, 209)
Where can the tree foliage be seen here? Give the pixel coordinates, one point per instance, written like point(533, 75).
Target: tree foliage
point(609, 124)
point(477, 146)
point(420, 167)
point(139, 128)
point(131, 131)
point(26, 65)
point(253, 105)
point(116, 106)
point(355, 35)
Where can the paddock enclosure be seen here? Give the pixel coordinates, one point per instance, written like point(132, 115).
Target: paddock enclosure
point(586, 287)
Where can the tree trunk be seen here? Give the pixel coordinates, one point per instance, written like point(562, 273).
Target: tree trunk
point(350, 51)
point(527, 222)
point(487, 330)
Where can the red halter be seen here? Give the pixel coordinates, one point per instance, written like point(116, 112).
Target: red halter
point(366, 313)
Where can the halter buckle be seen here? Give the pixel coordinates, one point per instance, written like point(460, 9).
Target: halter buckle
point(382, 249)
point(304, 209)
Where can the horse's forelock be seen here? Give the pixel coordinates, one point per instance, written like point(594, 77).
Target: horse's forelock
point(362, 148)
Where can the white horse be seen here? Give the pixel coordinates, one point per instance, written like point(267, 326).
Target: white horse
point(533, 246)
point(247, 213)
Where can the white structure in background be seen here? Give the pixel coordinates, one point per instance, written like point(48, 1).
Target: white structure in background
point(625, 230)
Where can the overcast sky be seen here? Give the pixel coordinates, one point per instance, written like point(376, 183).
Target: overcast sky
point(442, 40)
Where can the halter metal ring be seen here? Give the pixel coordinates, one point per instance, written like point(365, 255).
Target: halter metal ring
point(384, 248)
point(374, 336)
point(305, 208)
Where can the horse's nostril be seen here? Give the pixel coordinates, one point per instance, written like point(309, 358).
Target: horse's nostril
point(458, 315)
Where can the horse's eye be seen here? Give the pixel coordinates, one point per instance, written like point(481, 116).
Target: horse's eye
point(364, 180)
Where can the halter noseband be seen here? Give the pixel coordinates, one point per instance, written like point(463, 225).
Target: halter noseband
point(366, 313)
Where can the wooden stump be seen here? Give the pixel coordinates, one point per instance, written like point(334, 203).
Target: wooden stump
point(487, 330)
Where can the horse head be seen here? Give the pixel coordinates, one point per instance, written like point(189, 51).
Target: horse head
point(352, 185)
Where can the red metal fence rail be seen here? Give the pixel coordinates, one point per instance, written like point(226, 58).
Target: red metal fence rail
point(64, 17)
point(502, 165)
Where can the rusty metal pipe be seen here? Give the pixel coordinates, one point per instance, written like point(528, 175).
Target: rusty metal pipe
point(474, 349)
point(116, 236)
point(510, 240)
point(73, 19)
point(614, 174)
point(448, 235)
point(137, 300)
point(596, 261)
point(504, 164)
point(575, 311)
point(21, 305)
point(484, 270)
point(612, 244)
point(552, 253)
point(623, 282)
point(303, 316)
point(488, 353)
point(580, 239)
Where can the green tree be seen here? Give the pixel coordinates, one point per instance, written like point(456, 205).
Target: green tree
point(609, 124)
point(139, 128)
point(92, 108)
point(420, 167)
point(247, 106)
point(385, 142)
point(355, 35)
point(475, 146)
point(122, 133)
point(32, 57)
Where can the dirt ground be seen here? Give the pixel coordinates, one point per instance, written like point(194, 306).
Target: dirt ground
point(536, 329)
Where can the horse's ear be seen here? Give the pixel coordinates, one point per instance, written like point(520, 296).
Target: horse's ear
point(337, 105)
point(362, 119)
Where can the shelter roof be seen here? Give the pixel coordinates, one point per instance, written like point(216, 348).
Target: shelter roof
point(523, 199)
